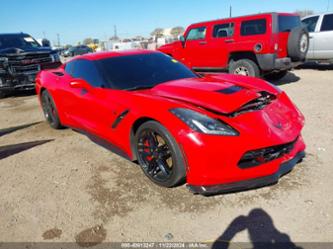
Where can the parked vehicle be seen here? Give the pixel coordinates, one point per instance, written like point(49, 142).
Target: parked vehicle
point(320, 28)
point(21, 58)
point(77, 50)
point(220, 132)
point(258, 45)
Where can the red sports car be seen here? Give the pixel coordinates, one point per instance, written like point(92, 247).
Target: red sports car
point(219, 133)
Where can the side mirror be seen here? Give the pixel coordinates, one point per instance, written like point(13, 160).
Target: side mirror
point(182, 39)
point(46, 43)
point(80, 83)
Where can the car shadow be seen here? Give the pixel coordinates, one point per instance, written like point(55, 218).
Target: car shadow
point(316, 66)
point(288, 79)
point(15, 94)
point(16, 128)
point(12, 149)
point(262, 233)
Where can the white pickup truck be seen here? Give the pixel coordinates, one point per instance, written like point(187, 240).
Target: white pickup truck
point(320, 28)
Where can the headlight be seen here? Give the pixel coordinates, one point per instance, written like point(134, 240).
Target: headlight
point(55, 57)
point(204, 124)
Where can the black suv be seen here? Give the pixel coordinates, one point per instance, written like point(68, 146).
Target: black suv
point(77, 50)
point(21, 58)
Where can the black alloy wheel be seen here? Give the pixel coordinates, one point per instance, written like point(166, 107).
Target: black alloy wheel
point(50, 110)
point(158, 155)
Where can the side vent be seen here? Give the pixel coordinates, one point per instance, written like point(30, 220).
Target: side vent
point(58, 73)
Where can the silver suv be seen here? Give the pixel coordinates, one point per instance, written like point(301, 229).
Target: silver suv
point(320, 28)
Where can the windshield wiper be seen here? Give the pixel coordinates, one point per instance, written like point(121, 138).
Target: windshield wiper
point(138, 88)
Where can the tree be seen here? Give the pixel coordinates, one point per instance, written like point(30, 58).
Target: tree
point(96, 41)
point(87, 41)
point(176, 31)
point(158, 32)
point(304, 13)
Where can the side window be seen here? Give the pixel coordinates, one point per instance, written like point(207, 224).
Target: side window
point(87, 71)
point(223, 30)
point(69, 67)
point(196, 34)
point(327, 24)
point(310, 23)
point(253, 27)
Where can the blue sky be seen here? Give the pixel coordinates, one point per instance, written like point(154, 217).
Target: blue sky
point(75, 20)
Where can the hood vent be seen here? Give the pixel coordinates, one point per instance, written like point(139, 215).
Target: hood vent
point(230, 90)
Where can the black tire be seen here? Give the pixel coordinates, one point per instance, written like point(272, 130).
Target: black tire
point(298, 44)
point(160, 158)
point(276, 75)
point(50, 110)
point(244, 67)
point(2, 95)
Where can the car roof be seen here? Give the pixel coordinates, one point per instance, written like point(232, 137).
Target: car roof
point(19, 33)
point(319, 14)
point(246, 16)
point(104, 55)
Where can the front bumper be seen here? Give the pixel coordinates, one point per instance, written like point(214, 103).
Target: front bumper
point(10, 81)
point(270, 62)
point(248, 184)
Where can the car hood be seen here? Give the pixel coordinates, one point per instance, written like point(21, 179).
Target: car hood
point(210, 93)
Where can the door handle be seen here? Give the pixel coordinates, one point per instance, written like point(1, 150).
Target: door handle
point(229, 41)
point(203, 43)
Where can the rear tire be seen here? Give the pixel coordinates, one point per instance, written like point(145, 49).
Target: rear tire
point(50, 110)
point(159, 155)
point(244, 67)
point(275, 75)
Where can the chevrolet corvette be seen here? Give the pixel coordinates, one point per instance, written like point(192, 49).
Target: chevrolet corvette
point(218, 133)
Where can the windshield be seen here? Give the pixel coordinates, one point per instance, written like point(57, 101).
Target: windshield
point(18, 41)
point(287, 23)
point(142, 71)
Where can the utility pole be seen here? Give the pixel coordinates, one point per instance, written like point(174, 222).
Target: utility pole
point(115, 32)
point(328, 5)
point(58, 39)
point(230, 11)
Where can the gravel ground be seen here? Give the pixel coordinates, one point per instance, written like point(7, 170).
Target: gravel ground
point(60, 186)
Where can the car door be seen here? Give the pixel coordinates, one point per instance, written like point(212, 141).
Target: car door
point(196, 48)
point(220, 41)
point(323, 40)
point(312, 25)
point(92, 109)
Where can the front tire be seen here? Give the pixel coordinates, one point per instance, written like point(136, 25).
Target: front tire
point(244, 67)
point(50, 110)
point(159, 155)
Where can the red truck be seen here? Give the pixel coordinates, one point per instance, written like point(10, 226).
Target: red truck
point(263, 45)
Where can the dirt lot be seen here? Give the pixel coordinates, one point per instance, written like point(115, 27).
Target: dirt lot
point(60, 186)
